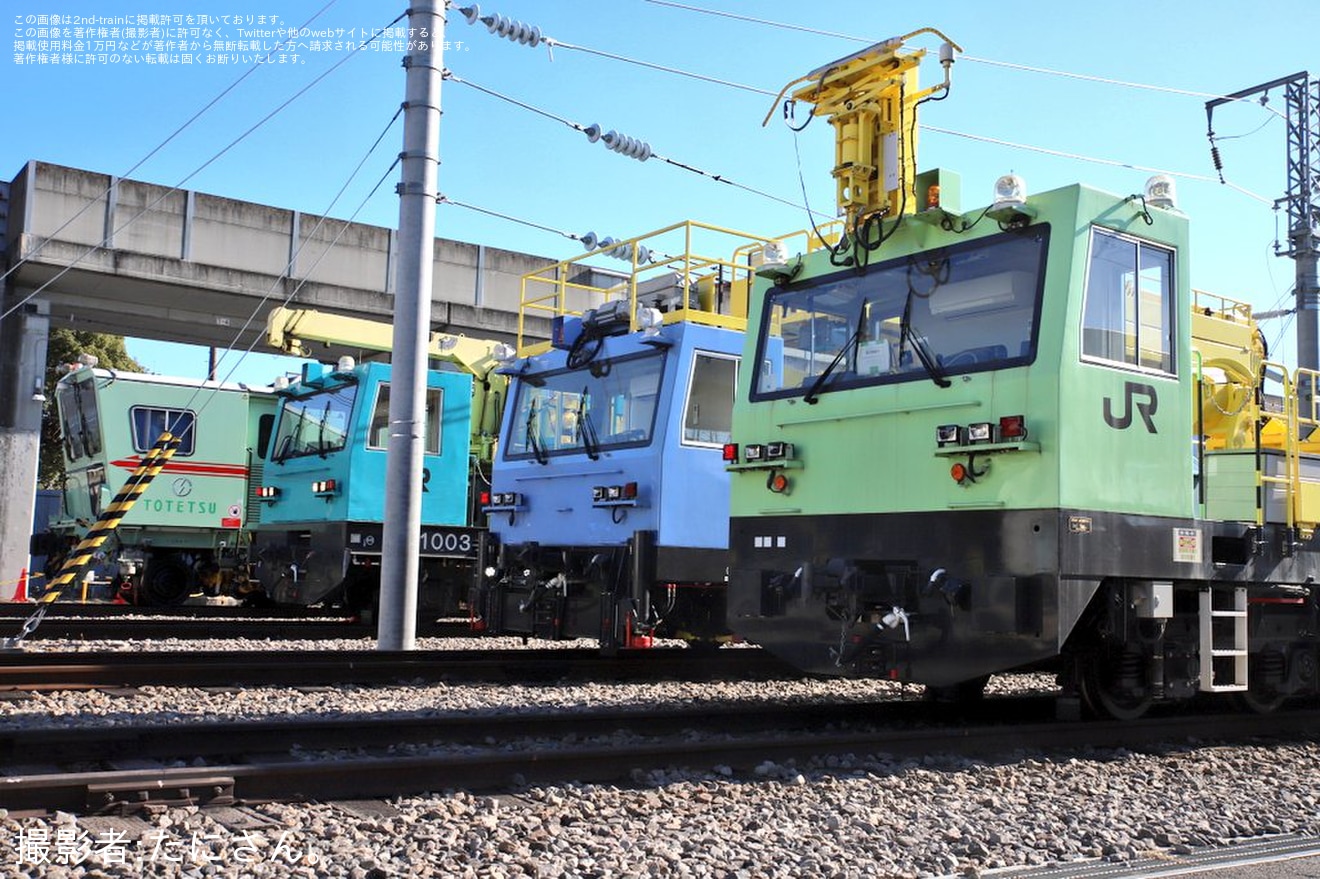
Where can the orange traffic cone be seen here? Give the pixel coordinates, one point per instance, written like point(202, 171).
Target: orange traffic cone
point(20, 591)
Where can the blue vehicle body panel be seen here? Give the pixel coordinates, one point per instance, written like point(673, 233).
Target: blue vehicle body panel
point(359, 470)
point(682, 487)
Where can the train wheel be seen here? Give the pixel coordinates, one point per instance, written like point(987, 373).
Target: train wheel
point(1262, 695)
point(1259, 700)
point(167, 581)
point(1114, 685)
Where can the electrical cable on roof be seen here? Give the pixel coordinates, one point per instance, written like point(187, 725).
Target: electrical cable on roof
point(165, 194)
point(160, 146)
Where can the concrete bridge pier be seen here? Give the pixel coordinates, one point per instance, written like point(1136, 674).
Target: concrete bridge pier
point(23, 338)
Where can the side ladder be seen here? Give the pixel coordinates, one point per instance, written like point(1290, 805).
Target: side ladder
point(1223, 639)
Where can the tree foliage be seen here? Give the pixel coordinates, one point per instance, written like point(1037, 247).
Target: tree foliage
point(64, 347)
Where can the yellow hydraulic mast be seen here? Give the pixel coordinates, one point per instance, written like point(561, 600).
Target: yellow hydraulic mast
point(871, 100)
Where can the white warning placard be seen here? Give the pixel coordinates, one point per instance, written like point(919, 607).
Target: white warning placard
point(1187, 545)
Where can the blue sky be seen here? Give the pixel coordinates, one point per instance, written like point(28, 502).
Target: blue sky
point(106, 117)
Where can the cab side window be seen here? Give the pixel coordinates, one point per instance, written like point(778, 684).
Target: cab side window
point(149, 422)
point(708, 411)
point(1128, 318)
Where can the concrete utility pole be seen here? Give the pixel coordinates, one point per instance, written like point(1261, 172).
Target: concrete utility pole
point(397, 627)
point(1302, 201)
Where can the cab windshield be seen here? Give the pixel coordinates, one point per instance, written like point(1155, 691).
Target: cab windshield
point(316, 424)
point(609, 405)
point(80, 419)
point(953, 310)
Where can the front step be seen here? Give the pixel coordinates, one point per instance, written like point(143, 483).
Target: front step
point(1223, 639)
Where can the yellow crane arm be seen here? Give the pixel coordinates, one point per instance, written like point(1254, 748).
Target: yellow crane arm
point(289, 329)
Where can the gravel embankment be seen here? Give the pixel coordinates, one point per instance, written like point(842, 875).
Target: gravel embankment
point(865, 815)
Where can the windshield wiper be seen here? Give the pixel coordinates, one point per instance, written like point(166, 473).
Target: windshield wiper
point(586, 431)
point(320, 430)
point(84, 433)
point(813, 393)
point(906, 334)
point(535, 444)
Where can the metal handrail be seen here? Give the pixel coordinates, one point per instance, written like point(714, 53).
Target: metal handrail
point(672, 249)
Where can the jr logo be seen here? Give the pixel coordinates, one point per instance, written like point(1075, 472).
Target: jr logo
point(1135, 395)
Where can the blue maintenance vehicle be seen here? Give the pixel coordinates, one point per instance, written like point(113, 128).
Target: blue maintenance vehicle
point(608, 508)
point(319, 541)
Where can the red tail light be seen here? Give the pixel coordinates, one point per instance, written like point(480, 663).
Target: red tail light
point(731, 451)
point(1012, 427)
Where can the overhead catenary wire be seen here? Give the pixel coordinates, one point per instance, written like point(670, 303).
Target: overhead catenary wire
point(1006, 64)
point(133, 482)
point(765, 21)
point(591, 241)
point(664, 68)
point(1096, 160)
point(518, 32)
point(160, 146)
point(267, 296)
point(531, 35)
point(216, 156)
point(444, 199)
point(631, 146)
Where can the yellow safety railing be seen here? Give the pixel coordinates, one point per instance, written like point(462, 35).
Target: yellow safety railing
point(670, 268)
point(1213, 304)
point(1291, 470)
point(1300, 418)
point(1305, 399)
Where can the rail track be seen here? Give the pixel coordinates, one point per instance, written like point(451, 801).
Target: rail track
point(103, 622)
point(237, 763)
point(63, 670)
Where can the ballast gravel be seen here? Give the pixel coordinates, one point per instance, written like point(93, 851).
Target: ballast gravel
point(852, 816)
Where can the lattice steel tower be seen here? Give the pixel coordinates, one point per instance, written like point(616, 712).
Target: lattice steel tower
point(1301, 201)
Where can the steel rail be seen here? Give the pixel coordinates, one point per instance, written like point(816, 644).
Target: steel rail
point(195, 622)
point(63, 670)
point(346, 778)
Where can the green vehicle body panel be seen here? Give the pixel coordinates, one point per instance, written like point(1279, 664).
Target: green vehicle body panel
point(1062, 397)
point(202, 498)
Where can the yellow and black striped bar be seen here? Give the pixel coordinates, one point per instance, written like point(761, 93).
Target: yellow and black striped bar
point(81, 556)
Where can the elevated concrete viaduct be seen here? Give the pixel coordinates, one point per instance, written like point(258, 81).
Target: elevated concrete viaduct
point(137, 259)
